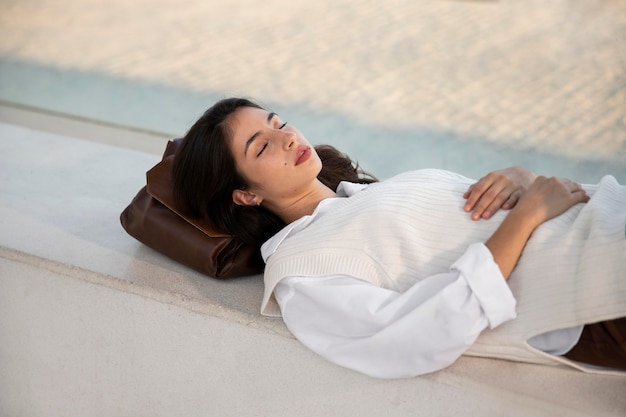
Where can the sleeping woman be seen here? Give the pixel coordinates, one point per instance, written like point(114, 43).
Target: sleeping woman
point(401, 277)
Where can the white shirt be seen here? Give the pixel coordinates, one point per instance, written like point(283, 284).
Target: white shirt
point(388, 334)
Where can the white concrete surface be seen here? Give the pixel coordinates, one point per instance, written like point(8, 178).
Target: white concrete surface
point(79, 349)
point(93, 323)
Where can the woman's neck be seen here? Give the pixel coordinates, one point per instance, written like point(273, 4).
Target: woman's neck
point(304, 204)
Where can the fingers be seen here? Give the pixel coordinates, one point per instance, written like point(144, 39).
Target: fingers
point(489, 204)
point(581, 196)
point(549, 197)
point(577, 194)
point(476, 191)
point(512, 200)
point(490, 194)
point(469, 191)
point(577, 191)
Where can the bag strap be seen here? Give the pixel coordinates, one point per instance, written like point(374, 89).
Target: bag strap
point(160, 186)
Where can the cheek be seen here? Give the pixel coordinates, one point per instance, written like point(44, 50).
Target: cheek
point(270, 174)
point(318, 163)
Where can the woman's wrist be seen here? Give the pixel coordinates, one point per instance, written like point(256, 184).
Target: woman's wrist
point(508, 241)
point(527, 215)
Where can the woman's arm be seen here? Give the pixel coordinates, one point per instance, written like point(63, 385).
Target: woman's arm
point(498, 189)
point(386, 334)
point(546, 198)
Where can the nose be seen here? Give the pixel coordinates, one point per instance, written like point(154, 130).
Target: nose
point(289, 140)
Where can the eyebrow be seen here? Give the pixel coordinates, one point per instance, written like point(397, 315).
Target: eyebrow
point(270, 116)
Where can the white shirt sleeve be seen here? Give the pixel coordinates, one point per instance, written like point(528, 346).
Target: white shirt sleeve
point(387, 334)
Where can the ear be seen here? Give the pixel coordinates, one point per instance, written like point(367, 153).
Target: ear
point(246, 198)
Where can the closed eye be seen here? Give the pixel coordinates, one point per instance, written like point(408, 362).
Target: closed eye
point(265, 145)
point(262, 149)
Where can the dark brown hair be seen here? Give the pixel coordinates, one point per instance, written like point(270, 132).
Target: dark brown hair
point(205, 176)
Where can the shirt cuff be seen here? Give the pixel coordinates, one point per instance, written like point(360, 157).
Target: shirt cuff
point(483, 276)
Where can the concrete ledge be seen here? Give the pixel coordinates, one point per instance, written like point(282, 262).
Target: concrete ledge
point(71, 192)
point(81, 128)
point(94, 323)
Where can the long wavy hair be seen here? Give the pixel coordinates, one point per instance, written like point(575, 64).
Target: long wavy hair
point(205, 176)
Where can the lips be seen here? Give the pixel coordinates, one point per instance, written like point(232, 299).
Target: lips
point(304, 153)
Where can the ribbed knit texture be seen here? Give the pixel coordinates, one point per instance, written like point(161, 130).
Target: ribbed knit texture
point(404, 229)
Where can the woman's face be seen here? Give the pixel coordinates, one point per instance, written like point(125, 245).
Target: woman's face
point(274, 157)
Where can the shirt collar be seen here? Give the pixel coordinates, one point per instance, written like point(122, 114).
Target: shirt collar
point(345, 189)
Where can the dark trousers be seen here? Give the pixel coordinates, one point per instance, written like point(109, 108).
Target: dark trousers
point(602, 344)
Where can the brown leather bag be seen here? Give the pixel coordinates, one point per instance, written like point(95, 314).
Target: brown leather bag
point(153, 219)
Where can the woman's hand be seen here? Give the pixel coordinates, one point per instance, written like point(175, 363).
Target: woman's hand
point(497, 190)
point(545, 198)
point(548, 197)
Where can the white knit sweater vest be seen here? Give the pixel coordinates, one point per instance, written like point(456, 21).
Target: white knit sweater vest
point(399, 231)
